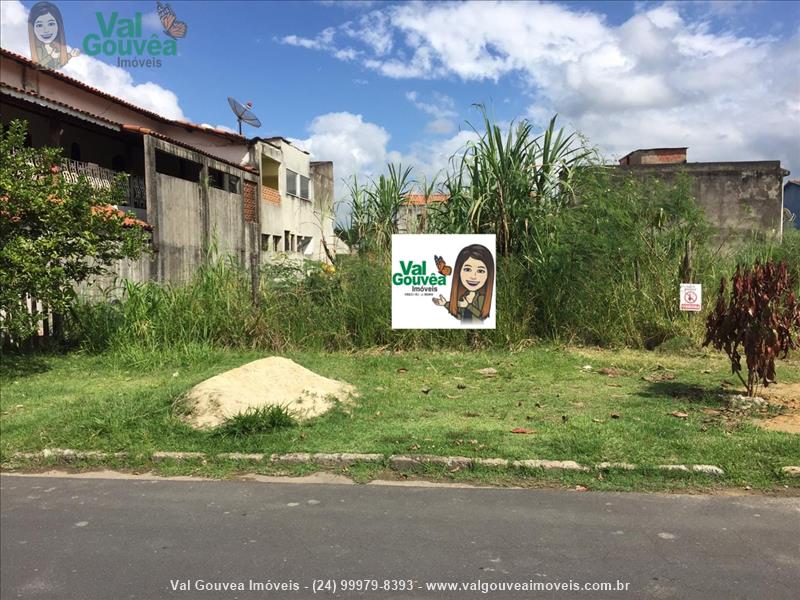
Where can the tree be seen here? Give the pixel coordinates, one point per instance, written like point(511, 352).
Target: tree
point(54, 234)
point(762, 317)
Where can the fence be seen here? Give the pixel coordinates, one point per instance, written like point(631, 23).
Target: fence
point(48, 328)
point(102, 178)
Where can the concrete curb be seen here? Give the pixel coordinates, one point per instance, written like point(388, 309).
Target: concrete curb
point(396, 462)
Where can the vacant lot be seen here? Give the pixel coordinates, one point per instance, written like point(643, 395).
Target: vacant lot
point(576, 404)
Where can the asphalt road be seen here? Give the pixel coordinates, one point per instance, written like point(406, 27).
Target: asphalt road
point(86, 539)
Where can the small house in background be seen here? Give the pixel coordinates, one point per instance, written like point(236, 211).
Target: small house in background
point(655, 156)
point(737, 197)
point(791, 204)
point(413, 215)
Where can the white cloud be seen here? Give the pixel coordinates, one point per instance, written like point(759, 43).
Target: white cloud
point(118, 82)
point(110, 79)
point(152, 22)
point(441, 126)
point(662, 77)
point(355, 146)
point(323, 41)
point(14, 27)
point(374, 30)
point(441, 109)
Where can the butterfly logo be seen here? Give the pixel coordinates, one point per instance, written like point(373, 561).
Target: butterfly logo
point(172, 27)
point(442, 266)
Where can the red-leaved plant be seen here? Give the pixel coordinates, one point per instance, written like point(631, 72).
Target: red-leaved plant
point(762, 317)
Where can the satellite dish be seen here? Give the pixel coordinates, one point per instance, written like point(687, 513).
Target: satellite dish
point(243, 113)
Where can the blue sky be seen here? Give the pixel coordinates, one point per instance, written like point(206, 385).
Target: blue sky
point(362, 83)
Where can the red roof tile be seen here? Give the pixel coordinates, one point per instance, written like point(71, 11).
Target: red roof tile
point(166, 138)
point(57, 102)
point(420, 199)
point(144, 111)
point(127, 127)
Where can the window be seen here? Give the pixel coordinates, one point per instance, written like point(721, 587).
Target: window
point(287, 243)
point(175, 166)
point(291, 182)
point(303, 243)
point(276, 242)
point(216, 179)
point(265, 239)
point(223, 181)
point(304, 191)
point(75, 151)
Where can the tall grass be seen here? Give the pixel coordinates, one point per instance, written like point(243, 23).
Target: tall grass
point(588, 292)
point(586, 254)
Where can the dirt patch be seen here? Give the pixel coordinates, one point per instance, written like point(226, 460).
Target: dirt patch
point(787, 397)
point(265, 382)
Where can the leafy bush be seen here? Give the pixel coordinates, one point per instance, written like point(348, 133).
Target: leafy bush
point(607, 270)
point(264, 419)
point(762, 317)
point(54, 233)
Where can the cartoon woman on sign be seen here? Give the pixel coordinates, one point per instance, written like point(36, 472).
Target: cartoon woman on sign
point(473, 281)
point(46, 36)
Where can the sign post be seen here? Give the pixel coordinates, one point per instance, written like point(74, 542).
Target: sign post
point(691, 297)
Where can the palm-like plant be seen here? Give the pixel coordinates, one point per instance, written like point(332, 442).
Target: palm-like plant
point(502, 184)
point(374, 209)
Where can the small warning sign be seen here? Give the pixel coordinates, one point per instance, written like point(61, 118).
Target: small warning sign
point(691, 297)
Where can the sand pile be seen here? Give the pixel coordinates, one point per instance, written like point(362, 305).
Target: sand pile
point(269, 381)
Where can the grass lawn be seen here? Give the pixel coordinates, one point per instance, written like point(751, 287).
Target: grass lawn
point(94, 403)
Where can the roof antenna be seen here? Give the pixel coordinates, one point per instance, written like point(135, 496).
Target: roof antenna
point(244, 114)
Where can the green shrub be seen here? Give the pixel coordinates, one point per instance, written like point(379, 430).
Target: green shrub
point(264, 419)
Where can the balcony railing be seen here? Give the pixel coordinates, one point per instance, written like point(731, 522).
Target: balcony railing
point(102, 179)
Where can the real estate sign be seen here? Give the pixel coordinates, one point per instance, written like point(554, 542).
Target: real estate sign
point(691, 297)
point(443, 282)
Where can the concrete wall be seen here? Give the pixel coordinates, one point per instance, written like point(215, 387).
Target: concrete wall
point(180, 230)
point(323, 183)
point(189, 217)
point(737, 197)
point(227, 223)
